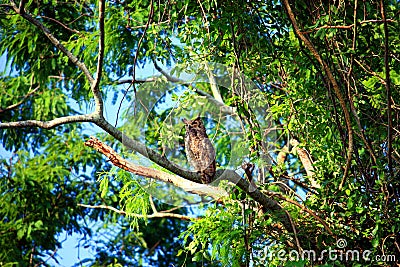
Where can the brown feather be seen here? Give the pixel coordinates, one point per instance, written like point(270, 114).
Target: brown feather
point(199, 149)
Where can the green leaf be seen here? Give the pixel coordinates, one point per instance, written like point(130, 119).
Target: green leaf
point(348, 192)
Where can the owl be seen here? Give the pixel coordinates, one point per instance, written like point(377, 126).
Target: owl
point(199, 149)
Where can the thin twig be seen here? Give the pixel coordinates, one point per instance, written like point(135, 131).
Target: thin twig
point(302, 207)
point(20, 102)
point(153, 207)
point(48, 258)
point(147, 80)
point(388, 91)
point(61, 24)
point(368, 70)
point(348, 27)
point(149, 20)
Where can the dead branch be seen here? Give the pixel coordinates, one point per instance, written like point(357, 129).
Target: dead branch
point(186, 185)
point(188, 182)
point(149, 216)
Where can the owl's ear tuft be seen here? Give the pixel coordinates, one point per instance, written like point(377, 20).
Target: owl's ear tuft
point(198, 118)
point(185, 121)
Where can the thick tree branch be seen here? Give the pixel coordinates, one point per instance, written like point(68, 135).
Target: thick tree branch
point(47, 124)
point(186, 185)
point(213, 84)
point(305, 159)
point(267, 203)
point(335, 86)
point(22, 6)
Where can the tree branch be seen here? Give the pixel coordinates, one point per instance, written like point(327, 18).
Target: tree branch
point(20, 102)
point(97, 115)
point(53, 39)
point(335, 86)
point(22, 6)
point(61, 24)
point(280, 196)
point(348, 27)
point(135, 59)
point(367, 69)
point(95, 84)
point(193, 177)
point(267, 203)
point(224, 108)
point(388, 91)
point(305, 159)
point(188, 186)
point(147, 80)
point(47, 124)
point(154, 215)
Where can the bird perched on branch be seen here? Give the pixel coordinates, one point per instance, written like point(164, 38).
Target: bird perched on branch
point(199, 149)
